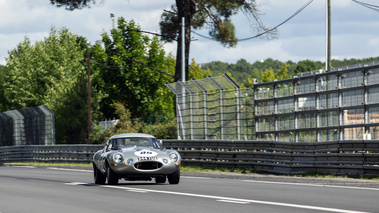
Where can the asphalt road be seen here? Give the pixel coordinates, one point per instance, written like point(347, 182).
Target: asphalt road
point(30, 189)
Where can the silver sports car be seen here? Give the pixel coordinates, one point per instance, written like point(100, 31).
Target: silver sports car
point(135, 156)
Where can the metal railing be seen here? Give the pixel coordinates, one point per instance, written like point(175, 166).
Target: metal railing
point(336, 157)
point(49, 153)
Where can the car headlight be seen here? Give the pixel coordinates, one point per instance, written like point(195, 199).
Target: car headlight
point(130, 161)
point(174, 157)
point(117, 158)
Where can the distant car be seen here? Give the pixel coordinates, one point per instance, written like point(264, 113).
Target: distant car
point(134, 157)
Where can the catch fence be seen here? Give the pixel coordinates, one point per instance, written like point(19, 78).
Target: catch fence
point(29, 126)
point(318, 106)
point(213, 108)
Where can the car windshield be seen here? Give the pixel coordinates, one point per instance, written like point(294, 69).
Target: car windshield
point(120, 143)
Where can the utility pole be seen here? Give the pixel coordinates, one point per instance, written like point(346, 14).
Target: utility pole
point(89, 96)
point(183, 32)
point(328, 37)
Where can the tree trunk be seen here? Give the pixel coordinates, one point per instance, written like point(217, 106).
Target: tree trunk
point(184, 10)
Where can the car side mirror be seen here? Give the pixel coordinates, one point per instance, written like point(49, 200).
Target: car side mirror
point(161, 143)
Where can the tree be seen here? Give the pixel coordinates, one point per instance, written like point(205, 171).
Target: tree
point(306, 66)
point(283, 72)
point(120, 79)
point(215, 14)
point(51, 72)
point(72, 4)
point(268, 75)
point(196, 72)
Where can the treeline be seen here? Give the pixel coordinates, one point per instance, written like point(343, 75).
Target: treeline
point(244, 72)
point(128, 72)
point(53, 72)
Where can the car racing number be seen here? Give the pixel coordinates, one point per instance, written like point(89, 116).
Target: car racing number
point(146, 155)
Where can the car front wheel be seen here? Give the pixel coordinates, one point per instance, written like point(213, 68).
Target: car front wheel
point(112, 177)
point(175, 177)
point(98, 177)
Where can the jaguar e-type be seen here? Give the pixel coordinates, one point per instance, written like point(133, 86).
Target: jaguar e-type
point(135, 157)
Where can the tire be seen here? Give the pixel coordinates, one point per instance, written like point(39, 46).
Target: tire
point(175, 177)
point(160, 179)
point(98, 177)
point(112, 177)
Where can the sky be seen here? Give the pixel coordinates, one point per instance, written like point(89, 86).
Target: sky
point(354, 28)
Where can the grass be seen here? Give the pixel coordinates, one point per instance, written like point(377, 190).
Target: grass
point(200, 169)
point(251, 171)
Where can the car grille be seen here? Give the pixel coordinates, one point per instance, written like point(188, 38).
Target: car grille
point(148, 165)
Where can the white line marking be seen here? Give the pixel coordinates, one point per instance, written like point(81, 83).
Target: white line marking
point(224, 199)
point(29, 167)
point(192, 177)
point(64, 169)
point(135, 190)
point(75, 183)
point(233, 201)
point(314, 185)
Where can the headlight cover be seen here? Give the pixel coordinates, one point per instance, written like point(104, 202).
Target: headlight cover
point(174, 157)
point(117, 158)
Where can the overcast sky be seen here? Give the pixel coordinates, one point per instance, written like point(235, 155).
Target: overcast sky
point(355, 29)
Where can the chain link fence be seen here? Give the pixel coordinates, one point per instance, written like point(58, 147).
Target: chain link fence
point(213, 108)
point(29, 126)
point(318, 106)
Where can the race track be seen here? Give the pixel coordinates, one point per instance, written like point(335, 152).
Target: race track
point(42, 190)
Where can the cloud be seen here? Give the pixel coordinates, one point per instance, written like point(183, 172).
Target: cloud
point(354, 28)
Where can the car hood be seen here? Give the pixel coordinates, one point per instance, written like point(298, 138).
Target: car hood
point(138, 149)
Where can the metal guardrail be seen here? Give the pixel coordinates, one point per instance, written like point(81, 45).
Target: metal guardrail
point(337, 157)
point(55, 153)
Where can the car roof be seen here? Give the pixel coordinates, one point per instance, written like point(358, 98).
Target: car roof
point(132, 135)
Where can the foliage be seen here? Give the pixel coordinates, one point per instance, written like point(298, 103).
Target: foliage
point(283, 72)
point(213, 14)
point(165, 130)
point(51, 72)
point(244, 72)
point(72, 4)
point(122, 80)
point(268, 75)
point(307, 65)
point(196, 72)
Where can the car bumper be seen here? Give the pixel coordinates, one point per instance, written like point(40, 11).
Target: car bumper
point(135, 169)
